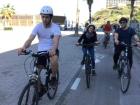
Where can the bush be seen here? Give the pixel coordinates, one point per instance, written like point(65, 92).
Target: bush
point(8, 28)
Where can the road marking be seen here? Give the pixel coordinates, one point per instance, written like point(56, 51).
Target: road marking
point(83, 67)
point(75, 84)
point(97, 60)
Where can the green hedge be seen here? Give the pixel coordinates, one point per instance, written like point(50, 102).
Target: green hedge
point(8, 28)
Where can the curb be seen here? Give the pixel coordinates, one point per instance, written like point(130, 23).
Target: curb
point(64, 94)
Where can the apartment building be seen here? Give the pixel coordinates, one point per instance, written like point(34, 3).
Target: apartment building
point(116, 3)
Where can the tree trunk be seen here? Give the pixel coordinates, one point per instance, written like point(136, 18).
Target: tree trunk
point(132, 9)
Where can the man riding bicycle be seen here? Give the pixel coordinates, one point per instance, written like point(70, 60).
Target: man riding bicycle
point(107, 28)
point(124, 34)
point(48, 34)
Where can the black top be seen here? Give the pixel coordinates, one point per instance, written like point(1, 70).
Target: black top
point(125, 35)
point(88, 38)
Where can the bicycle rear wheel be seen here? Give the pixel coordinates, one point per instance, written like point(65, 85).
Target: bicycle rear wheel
point(29, 95)
point(125, 77)
point(52, 89)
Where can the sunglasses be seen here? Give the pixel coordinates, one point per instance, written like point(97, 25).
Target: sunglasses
point(122, 22)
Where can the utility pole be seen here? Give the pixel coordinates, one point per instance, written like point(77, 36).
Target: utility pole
point(77, 18)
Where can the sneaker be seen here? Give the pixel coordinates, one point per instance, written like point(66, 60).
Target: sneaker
point(53, 81)
point(42, 91)
point(93, 72)
point(82, 62)
point(115, 67)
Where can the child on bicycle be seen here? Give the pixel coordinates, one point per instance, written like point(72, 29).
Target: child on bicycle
point(89, 37)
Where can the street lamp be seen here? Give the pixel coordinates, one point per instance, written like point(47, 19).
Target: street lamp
point(77, 18)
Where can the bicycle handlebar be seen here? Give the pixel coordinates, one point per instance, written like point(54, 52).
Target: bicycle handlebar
point(37, 54)
point(88, 45)
point(126, 45)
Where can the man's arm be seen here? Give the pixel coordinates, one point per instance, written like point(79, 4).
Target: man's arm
point(26, 44)
point(56, 42)
point(116, 35)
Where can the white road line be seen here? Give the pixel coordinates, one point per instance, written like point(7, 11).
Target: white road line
point(83, 67)
point(97, 60)
point(75, 84)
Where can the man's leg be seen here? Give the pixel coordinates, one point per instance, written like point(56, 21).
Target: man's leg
point(116, 55)
point(54, 65)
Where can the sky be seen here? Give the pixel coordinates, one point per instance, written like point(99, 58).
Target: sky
point(60, 7)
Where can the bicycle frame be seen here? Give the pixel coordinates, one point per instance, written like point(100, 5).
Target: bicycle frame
point(124, 56)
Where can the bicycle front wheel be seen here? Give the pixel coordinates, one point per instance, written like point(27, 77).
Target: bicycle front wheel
point(88, 77)
point(125, 78)
point(88, 70)
point(29, 95)
point(52, 89)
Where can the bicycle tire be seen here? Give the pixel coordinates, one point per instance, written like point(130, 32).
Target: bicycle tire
point(35, 97)
point(87, 70)
point(87, 78)
point(105, 44)
point(119, 69)
point(125, 78)
point(51, 92)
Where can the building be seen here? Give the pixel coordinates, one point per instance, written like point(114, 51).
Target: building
point(29, 20)
point(116, 3)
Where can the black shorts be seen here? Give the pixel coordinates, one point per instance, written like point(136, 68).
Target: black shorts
point(43, 59)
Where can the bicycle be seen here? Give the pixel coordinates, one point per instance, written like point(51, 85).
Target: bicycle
point(124, 70)
point(35, 86)
point(106, 40)
point(88, 64)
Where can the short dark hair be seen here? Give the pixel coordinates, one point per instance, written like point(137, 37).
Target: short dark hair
point(123, 19)
point(91, 25)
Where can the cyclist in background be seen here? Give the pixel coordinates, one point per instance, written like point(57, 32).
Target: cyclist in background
point(124, 34)
point(48, 34)
point(89, 37)
point(107, 28)
point(86, 25)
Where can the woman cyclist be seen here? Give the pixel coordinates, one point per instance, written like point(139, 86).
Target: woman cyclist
point(89, 37)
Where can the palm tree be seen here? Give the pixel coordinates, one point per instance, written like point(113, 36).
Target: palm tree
point(89, 2)
point(7, 11)
point(132, 8)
